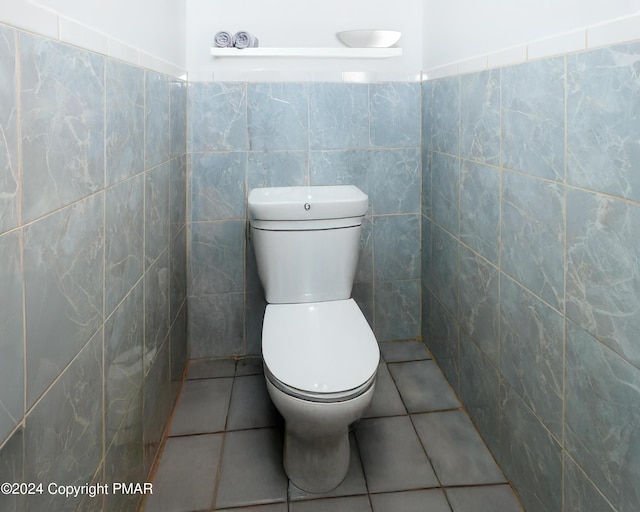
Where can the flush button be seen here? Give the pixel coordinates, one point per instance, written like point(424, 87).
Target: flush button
point(307, 206)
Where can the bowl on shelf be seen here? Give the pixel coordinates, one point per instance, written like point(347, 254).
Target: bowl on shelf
point(370, 38)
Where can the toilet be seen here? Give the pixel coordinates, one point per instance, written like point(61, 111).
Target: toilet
point(320, 355)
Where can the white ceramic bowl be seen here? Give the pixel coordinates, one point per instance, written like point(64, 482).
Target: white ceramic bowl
point(370, 38)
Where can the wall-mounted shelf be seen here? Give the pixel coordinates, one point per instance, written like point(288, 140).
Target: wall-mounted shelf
point(332, 53)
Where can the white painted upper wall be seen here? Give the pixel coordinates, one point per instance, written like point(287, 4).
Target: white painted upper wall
point(458, 30)
point(301, 23)
point(151, 33)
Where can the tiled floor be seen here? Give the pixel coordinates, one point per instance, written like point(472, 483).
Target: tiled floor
point(415, 449)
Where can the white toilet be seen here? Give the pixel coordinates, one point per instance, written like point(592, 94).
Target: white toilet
point(320, 355)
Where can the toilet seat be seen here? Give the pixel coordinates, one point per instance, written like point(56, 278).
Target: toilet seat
point(319, 351)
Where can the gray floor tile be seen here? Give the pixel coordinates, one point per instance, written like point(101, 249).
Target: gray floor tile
point(202, 407)
point(211, 368)
point(272, 507)
point(484, 499)
point(397, 351)
point(186, 476)
point(423, 387)
point(251, 472)
point(349, 504)
point(392, 456)
point(353, 484)
point(431, 500)
point(457, 452)
point(251, 406)
point(249, 366)
point(386, 399)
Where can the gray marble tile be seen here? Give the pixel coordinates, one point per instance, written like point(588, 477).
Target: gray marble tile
point(63, 435)
point(9, 160)
point(532, 231)
point(394, 181)
point(251, 406)
point(216, 325)
point(603, 278)
point(157, 216)
point(364, 269)
point(217, 257)
point(480, 116)
point(480, 209)
point(186, 476)
point(62, 115)
point(602, 415)
point(177, 274)
point(395, 114)
point(480, 391)
point(12, 339)
point(484, 499)
point(271, 507)
point(456, 450)
point(479, 302)
point(63, 262)
point(432, 500)
point(11, 470)
point(396, 247)
point(124, 137)
point(426, 187)
point(123, 344)
point(278, 116)
point(345, 504)
point(218, 188)
point(178, 98)
point(178, 195)
point(202, 407)
point(156, 307)
point(157, 127)
point(444, 340)
point(579, 492)
point(427, 110)
point(444, 274)
point(277, 169)
point(251, 471)
point(386, 399)
point(338, 115)
point(530, 457)
point(343, 167)
point(423, 386)
point(217, 114)
point(392, 456)
point(353, 484)
point(156, 406)
point(124, 239)
point(603, 110)
point(397, 310)
point(531, 352)
point(445, 192)
point(400, 352)
point(533, 112)
point(444, 112)
point(179, 350)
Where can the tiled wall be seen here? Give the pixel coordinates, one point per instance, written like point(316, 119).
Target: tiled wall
point(93, 274)
point(246, 135)
point(531, 250)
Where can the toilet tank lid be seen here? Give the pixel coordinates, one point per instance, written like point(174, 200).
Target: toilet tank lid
point(321, 347)
point(307, 203)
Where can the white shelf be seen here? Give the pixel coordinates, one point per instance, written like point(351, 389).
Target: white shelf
point(332, 53)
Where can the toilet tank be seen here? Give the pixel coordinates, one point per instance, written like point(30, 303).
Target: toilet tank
point(306, 241)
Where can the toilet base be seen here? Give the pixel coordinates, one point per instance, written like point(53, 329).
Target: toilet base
point(316, 465)
point(316, 442)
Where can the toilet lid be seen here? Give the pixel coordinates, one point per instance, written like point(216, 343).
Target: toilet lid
point(319, 347)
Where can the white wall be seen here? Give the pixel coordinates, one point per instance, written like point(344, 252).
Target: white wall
point(300, 23)
point(146, 32)
point(457, 30)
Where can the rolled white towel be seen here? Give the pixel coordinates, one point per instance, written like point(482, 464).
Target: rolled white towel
point(223, 39)
point(245, 40)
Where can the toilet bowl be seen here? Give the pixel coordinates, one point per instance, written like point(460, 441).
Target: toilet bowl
point(320, 362)
point(320, 355)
